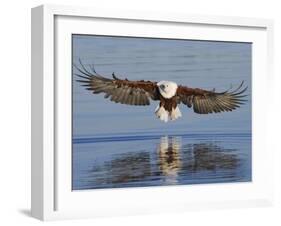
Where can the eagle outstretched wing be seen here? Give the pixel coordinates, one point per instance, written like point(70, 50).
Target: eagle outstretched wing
point(205, 102)
point(118, 90)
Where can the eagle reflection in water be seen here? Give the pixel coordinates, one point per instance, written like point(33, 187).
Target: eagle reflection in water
point(169, 158)
point(170, 163)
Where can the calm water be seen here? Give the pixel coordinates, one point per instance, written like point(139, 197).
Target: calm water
point(117, 145)
point(150, 160)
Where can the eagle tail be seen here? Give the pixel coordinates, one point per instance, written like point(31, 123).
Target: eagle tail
point(165, 115)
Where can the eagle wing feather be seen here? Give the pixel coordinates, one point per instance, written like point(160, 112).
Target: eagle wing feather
point(205, 102)
point(117, 90)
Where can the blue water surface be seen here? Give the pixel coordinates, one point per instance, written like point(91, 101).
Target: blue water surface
point(150, 160)
point(117, 145)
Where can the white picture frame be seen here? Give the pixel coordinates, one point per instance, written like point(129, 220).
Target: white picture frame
point(51, 196)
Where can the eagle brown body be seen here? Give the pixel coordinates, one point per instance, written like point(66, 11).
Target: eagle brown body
point(168, 104)
point(168, 93)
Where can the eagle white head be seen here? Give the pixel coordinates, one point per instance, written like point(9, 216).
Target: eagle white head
point(167, 89)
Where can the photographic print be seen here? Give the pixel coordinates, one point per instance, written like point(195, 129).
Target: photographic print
point(156, 111)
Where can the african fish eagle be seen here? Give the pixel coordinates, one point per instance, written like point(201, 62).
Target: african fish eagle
point(168, 93)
